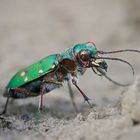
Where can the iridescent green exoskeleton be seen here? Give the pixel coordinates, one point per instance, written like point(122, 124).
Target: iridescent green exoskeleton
point(52, 71)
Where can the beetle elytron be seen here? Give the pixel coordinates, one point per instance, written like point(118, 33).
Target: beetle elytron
point(52, 71)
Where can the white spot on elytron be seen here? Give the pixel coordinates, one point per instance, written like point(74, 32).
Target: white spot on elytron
point(53, 66)
point(40, 71)
point(26, 79)
point(23, 73)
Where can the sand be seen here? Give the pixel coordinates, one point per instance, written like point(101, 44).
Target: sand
point(31, 30)
point(118, 122)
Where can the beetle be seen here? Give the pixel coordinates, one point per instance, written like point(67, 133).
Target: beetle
point(52, 71)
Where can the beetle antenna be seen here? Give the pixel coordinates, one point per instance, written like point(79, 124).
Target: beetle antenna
point(116, 83)
point(119, 51)
point(118, 59)
point(107, 77)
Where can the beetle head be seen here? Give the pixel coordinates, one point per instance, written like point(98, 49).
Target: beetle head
point(87, 54)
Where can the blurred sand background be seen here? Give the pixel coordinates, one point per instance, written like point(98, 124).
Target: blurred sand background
point(32, 29)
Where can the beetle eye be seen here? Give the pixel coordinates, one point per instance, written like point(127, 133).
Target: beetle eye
point(85, 55)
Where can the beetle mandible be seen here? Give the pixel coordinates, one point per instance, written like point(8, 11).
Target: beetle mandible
point(52, 71)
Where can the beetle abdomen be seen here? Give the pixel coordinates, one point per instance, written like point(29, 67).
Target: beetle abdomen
point(19, 93)
point(30, 90)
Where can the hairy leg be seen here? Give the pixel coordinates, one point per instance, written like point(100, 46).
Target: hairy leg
point(91, 105)
point(43, 85)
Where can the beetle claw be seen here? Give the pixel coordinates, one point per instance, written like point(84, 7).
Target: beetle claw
point(91, 104)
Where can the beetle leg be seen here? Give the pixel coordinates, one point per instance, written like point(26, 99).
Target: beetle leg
point(20, 90)
point(42, 91)
point(6, 105)
point(72, 96)
point(83, 94)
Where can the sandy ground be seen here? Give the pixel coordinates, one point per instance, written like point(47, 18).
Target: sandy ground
point(31, 30)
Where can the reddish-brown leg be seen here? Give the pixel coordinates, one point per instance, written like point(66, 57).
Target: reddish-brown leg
point(83, 94)
point(43, 90)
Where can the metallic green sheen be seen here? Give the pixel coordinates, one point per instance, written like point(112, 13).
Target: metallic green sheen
point(67, 54)
point(79, 47)
point(46, 64)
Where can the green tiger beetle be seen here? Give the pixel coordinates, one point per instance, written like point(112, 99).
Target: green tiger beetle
point(52, 71)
